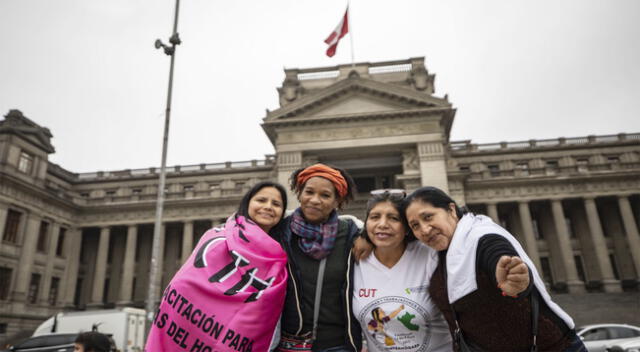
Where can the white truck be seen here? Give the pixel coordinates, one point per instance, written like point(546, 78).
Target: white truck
point(125, 325)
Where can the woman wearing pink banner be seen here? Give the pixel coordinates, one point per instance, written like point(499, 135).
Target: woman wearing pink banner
point(317, 314)
point(229, 294)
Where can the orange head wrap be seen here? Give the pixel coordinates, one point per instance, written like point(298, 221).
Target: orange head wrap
point(321, 170)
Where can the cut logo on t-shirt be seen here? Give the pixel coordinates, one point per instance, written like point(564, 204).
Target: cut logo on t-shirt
point(392, 324)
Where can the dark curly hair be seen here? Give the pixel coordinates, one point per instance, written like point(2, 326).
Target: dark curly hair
point(351, 185)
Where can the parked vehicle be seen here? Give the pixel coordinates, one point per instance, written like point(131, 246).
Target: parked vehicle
point(598, 337)
point(46, 343)
point(50, 343)
point(124, 325)
point(631, 345)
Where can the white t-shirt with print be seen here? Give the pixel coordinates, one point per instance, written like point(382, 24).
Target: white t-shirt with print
point(407, 319)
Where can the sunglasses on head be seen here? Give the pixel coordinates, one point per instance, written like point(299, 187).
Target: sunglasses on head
point(392, 192)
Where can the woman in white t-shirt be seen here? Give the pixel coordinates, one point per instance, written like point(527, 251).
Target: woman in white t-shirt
point(390, 288)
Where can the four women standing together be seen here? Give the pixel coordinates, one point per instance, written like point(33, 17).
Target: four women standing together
point(466, 278)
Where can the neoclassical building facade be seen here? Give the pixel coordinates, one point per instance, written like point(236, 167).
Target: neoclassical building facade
point(83, 240)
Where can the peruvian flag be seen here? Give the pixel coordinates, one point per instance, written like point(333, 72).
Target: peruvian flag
point(337, 34)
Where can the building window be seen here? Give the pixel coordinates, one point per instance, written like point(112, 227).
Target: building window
point(11, 226)
point(110, 193)
point(84, 195)
point(188, 188)
point(3, 328)
point(42, 236)
point(136, 191)
point(523, 168)
point(552, 166)
point(53, 291)
point(34, 285)
point(464, 168)
point(494, 170)
point(613, 159)
point(25, 163)
point(60, 244)
point(5, 282)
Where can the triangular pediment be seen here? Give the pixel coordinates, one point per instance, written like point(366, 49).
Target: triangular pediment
point(357, 103)
point(355, 95)
point(17, 124)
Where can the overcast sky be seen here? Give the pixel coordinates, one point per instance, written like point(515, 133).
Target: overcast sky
point(515, 70)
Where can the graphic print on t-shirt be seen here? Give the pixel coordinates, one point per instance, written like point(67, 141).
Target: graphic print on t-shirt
point(391, 324)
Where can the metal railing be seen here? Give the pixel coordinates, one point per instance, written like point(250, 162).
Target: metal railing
point(178, 169)
point(467, 146)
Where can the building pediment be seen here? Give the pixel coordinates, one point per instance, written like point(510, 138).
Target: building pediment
point(356, 95)
point(17, 124)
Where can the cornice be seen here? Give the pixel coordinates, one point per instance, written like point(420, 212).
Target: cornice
point(323, 96)
point(448, 113)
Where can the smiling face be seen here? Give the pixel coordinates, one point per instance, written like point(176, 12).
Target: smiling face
point(385, 228)
point(317, 200)
point(431, 225)
point(265, 208)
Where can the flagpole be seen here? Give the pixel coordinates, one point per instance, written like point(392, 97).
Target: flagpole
point(353, 62)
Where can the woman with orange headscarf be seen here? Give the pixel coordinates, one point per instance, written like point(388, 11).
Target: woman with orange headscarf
point(317, 312)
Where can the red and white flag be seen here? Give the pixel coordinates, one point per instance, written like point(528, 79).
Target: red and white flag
point(337, 34)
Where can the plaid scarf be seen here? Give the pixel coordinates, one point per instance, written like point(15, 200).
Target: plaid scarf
point(316, 241)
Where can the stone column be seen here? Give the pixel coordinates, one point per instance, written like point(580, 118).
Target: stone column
point(97, 293)
point(187, 240)
point(631, 229)
point(286, 164)
point(433, 169)
point(72, 251)
point(530, 242)
point(25, 262)
point(566, 252)
point(126, 286)
point(600, 246)
point(492, 211)
point(51, 255)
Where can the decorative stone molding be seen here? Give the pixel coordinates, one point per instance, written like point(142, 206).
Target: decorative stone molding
point(291, 88)
point(410, 163)
point(289, 159)
point(420, 78)
point(430, 151)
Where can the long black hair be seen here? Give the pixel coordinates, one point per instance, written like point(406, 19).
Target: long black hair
point(434, 196)
point(243, 208)
point(397, 201)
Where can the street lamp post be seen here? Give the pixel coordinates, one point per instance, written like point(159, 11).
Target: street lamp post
point(155, 275)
